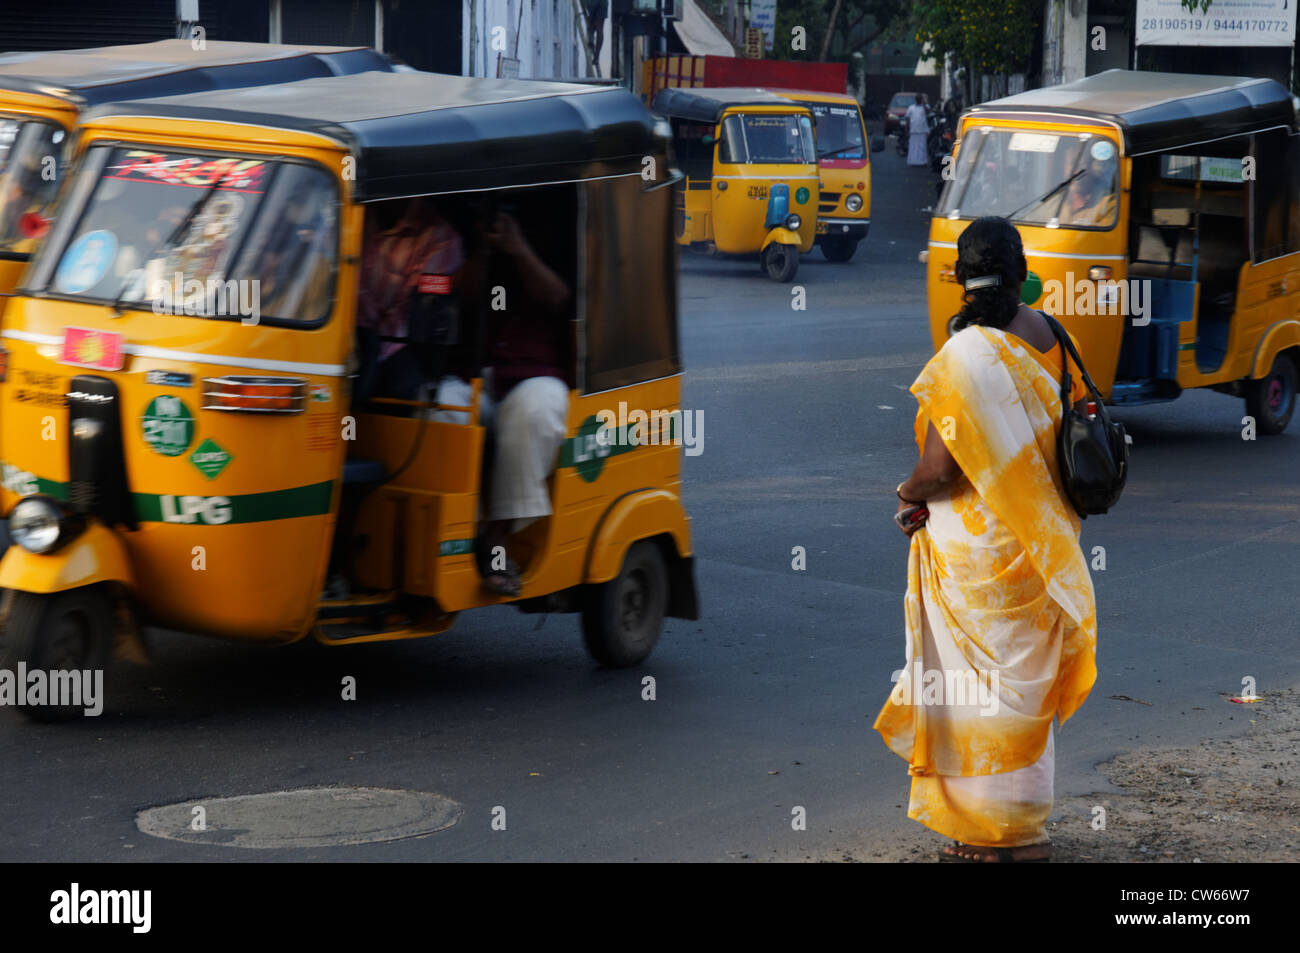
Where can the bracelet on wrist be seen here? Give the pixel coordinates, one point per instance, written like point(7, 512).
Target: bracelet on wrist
point(899, 491)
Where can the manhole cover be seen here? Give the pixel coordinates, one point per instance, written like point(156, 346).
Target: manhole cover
point(314, 817)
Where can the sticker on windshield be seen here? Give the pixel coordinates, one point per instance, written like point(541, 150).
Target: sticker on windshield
point(1103, 151)
point(1032, 142)
point(138, 165)
point(86, 262)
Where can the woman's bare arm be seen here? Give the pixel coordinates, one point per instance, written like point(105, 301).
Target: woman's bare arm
point(934, 473)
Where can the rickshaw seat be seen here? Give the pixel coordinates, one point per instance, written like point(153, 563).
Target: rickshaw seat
point(363, 471)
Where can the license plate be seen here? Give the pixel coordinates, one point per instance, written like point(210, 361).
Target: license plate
point(822, 228)
point(86, 347)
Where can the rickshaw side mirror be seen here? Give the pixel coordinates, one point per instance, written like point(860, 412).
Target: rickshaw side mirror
point(708, 140)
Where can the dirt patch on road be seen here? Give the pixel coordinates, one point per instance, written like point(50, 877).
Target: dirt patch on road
point(1231, 799)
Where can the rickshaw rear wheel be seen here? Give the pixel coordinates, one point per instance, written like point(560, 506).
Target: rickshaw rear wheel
point(839, 249)
point(781, 261)
point(1271, 399)
point(622, 618)
point(65, 631)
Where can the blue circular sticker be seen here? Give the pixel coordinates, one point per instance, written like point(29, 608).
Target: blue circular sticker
point(1103, 150)
point(86, 261)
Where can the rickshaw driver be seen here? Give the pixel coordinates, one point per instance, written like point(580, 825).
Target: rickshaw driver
point(1090, 199)
point(393, 259)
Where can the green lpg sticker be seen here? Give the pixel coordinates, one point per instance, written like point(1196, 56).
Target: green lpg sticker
point(168, 426)
point(802, 195)
point(210, 458)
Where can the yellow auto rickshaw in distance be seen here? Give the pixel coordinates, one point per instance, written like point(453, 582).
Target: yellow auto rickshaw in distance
point(844, 165)
point(218, 474)
point(1159, 214)
point(43, 94)
point(750, 164)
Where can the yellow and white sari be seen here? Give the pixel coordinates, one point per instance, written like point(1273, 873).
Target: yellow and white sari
point(1000, 612)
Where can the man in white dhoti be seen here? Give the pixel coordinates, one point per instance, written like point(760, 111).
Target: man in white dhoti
point(918, 129)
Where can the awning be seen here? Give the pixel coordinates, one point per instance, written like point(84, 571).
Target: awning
point(699, 35)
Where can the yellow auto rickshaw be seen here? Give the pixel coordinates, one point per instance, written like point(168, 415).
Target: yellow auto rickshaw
point(844, 164)
point(1160, 215)
point(212, 468)
point(42, 95)
point(750, 164)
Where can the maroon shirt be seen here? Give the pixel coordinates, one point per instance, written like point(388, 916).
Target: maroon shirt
point(525, 339)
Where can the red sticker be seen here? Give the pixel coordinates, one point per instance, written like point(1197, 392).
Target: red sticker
point(86, 347)
point(435, 284)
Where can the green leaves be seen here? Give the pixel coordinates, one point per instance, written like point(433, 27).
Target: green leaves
point(986, 36)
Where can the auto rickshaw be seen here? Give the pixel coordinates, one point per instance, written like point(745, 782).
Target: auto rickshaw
point(1160, 215)
point(209, 471)
point(844, 164)
point(42, 95)
point(749, 159)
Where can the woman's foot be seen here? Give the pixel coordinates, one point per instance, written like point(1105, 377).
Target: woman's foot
point(970, 854)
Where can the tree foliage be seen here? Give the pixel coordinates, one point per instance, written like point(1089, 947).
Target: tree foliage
point(857, 24)
point(985, 36)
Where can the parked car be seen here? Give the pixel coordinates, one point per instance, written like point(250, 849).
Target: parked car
point(894, 112)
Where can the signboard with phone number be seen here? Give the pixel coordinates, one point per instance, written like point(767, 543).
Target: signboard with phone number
point(1226, 23)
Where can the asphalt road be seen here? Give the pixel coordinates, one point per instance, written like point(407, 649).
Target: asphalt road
point(763, 705)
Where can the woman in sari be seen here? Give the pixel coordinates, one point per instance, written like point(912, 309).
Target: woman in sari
point(1000, 614)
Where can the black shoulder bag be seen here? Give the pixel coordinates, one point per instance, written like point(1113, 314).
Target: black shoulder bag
point(1092, 452)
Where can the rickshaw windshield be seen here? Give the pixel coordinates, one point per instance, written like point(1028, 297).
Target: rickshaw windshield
point(1038, 178)
point(839, 132)
point(29, 161)
point(183, 232)
point(768, 138)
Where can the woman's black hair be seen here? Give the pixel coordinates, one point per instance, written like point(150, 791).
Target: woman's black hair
point(990, 246)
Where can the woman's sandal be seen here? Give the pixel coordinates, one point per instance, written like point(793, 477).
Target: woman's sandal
point(957, 851)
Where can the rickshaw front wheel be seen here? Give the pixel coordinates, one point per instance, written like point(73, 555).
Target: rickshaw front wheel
point(622, 618)
point(60, 632)
point(781, 261)
point(1271, 399)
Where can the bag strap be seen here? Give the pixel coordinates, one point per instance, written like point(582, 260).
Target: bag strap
point(1068, 345)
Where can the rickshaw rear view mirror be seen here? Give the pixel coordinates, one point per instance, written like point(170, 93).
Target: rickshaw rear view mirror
point(708, 140)
point(1032, 289)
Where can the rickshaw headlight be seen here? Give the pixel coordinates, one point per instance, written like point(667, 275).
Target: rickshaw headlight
point(853, 203)
point(793, 222)
point(36, 524)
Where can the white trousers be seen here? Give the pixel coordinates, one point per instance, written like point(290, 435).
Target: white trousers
point(529, 427)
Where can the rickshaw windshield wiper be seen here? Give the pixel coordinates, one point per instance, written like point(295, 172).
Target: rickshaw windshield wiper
point(170, 240)
point(1046, 195)
point(835, 152)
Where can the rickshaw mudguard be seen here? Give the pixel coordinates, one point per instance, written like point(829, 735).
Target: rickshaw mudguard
point(782, 236)
point(97, 555)
point(647, 514)
point(638, 515)
point(1280, 336)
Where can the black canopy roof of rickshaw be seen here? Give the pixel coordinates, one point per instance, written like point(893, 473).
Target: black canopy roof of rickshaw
point(427, 133)
point(707, 104)
point(1159, 111)
point(168, 67)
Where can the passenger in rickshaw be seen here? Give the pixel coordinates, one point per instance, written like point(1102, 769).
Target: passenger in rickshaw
point(527, 402)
